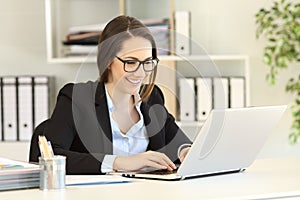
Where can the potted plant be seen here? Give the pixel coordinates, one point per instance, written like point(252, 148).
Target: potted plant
point(280, 25)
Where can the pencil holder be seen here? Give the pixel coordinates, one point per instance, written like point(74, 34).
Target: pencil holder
point(52, 172)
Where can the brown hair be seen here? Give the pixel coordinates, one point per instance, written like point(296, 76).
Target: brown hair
point(110, 43)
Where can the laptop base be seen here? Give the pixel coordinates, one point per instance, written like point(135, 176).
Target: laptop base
point(176, 177)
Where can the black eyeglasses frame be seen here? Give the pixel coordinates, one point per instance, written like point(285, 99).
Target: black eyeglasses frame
point(140, 63)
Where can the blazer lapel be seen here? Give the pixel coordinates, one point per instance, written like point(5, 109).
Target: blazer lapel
point(156, 140)
point(103, 118)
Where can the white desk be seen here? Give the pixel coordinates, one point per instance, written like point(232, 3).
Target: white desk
point(269, 178)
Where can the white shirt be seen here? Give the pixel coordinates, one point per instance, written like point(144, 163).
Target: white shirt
point(135, 141)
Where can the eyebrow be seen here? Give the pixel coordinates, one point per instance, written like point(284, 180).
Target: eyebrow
point(131, 57)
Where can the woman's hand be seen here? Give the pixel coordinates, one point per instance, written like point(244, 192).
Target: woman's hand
point(183, 153)
point(147, 159)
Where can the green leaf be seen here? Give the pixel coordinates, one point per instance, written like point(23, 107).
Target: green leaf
point(267, 59)
point(272, 39)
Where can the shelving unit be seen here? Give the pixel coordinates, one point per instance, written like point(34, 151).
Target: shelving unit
point(57, 25)
point(62, 14)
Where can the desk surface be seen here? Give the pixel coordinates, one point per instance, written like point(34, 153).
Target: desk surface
point(266, 178)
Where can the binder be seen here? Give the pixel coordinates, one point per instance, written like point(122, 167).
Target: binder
point(187, 99)
point(41, 99)
point(221, 92)
point(237, 92)
point(1, 110)
point(182, 32)
point(25, 108)
point(204, 98)
point(9, 108)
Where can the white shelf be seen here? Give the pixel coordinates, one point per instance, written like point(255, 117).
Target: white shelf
point(189, 123)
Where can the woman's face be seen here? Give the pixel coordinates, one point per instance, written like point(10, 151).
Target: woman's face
point(135, 48)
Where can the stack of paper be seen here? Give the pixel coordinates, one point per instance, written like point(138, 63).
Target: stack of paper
point(79, 180)
point(18, 175)
point(83, 40)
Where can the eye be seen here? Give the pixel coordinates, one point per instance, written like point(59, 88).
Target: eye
point(131, 62)
point(148, 62)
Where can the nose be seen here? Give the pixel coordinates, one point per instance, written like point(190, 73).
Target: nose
point(140, 72)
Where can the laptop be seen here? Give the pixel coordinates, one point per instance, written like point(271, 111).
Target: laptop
point(228, 142)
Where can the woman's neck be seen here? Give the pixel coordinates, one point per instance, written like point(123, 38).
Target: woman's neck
point(119, 99)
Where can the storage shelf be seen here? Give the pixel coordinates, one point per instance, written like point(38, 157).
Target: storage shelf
point(189, 123)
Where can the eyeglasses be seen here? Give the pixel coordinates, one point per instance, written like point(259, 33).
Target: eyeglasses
point(133, 65)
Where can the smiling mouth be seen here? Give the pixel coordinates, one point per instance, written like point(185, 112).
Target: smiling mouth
point(134, 81)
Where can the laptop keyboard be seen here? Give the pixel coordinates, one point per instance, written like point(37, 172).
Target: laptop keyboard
point(161, 172)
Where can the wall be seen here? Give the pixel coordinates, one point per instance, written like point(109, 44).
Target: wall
point(228, 27)
point(222, 27)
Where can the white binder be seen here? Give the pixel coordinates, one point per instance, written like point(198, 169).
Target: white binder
point(9, 109)
point(221, 93)
point(187, 99)
point(41, 99)
point(25, 108)
point(182, 32)
point(237, 92)
point(204, 98)
point(1, 130)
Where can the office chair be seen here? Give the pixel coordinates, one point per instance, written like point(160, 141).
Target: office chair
point(34, 151)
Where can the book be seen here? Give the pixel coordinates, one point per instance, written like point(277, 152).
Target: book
point(82, 35)
point(18, 174)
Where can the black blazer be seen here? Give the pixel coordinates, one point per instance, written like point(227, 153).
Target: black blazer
point(80, 129)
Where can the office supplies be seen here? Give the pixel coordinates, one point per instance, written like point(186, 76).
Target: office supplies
point(237, 92)
point(204, 98)
point(9, 108)
point(182, 32)
point(41, 99)
point(53, 172)
point(80, 180)
point(25, 108)
point(45, 147)
point(53, 168)
point(18, 175)
point(9, 166)
point(187, 99)
point(221, 93)
point(228, 142)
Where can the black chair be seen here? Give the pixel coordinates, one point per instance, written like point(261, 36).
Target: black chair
point(34, 151)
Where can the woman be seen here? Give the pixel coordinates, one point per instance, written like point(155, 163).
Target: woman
point(118, 122)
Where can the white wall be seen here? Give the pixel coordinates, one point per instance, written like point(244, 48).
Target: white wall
point(228, 27)
point(222, 27)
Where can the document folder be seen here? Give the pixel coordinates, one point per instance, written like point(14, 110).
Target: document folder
point(221, 94)
point(25, 110)
point(1, 103)
point(182, 32)
point(204, 98)
point(9, 108)
point(187, 99)
point(237, 92)
point(41, 99)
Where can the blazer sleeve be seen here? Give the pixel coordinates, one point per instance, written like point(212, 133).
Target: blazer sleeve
point(62, 133)
point(171, 134)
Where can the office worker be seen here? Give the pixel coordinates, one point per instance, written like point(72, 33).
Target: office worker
point(118, 122)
